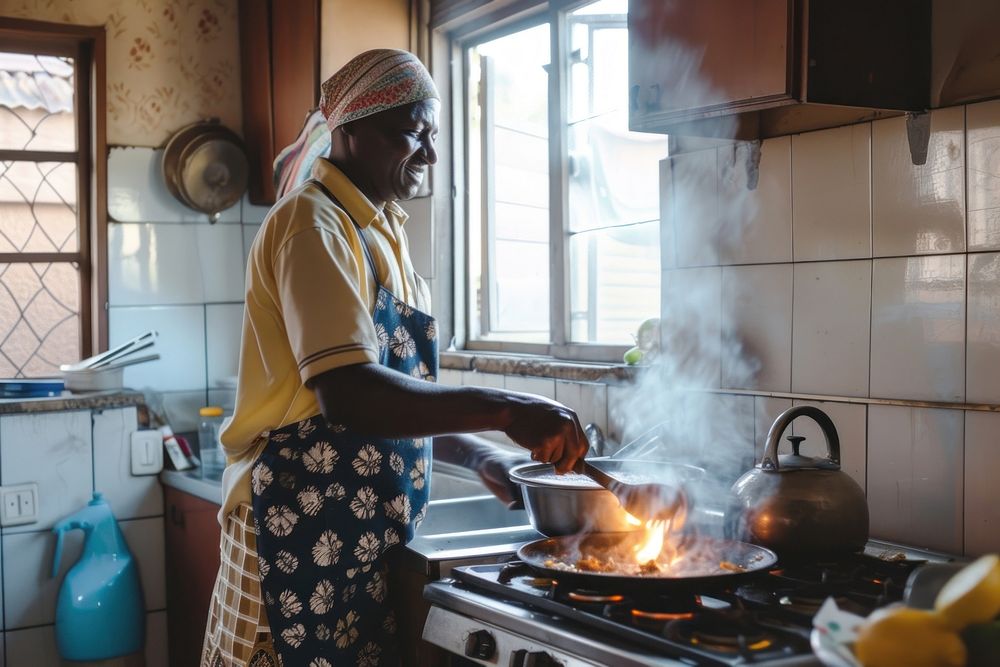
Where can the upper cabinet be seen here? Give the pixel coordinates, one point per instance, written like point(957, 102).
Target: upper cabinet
point(279, 57)
point(751, 69)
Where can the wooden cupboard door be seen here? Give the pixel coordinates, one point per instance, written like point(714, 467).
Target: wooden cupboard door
point(695, 58)
point(192, 537)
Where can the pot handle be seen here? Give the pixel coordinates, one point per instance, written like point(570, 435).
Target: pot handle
point(770, 459)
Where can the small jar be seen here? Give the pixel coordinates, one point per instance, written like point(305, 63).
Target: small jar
point(213, 459)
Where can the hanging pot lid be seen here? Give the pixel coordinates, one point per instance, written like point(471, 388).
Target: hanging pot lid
point(205, 167)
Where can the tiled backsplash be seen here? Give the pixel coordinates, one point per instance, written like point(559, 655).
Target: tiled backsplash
point(869, 283)
point(170, 270)
point(69, 455)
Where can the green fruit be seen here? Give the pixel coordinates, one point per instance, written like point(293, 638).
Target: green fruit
point(633, 356)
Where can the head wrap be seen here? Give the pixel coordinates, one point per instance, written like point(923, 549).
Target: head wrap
point(375, 81)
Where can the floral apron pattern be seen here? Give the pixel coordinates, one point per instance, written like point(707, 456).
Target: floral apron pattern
point(328, 503)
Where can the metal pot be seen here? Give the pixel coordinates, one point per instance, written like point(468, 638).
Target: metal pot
point(205, 167)
point(799, 506)
point(571, 504)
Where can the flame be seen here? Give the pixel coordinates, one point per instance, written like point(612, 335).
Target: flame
point(660, 543)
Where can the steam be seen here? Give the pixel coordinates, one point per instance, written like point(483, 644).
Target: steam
point(707, 201)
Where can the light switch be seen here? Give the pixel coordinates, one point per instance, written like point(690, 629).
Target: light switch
point(147, 452)
point(19, 504)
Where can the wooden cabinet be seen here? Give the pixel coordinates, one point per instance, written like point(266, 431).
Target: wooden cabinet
point(192, 536)
point(757, 68)
point(279, 58)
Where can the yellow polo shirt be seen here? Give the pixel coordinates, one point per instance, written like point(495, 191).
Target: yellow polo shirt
point(309, 302)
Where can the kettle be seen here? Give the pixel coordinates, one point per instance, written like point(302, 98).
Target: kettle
point(799, 506)
point(100, 612)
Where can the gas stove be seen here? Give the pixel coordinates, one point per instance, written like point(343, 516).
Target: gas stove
point(504, 614)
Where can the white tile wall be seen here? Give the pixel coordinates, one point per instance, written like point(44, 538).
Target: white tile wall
point(832, 313)
point(53, 450)
point(916, 476)
point(181, 345)
point(531, 385)
point(757, 226)
point(589, 401)
point(172, 271)
point(30, 590)
point(918, 328)
point(983, 344)
point(224, 328)
point(691, 325)
point(831, 193)
point(130, 497)
point(137, 191)
point(180, 408)
point(919, 209)
point(757, 303)
point(918, 322)
point(983, 139)
point(691, 215)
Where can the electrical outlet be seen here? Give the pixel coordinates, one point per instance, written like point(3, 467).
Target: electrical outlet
point(147, 452)
point(18, 504)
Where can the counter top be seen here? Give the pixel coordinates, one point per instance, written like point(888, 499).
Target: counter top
point(194, 483)
point(66, 401)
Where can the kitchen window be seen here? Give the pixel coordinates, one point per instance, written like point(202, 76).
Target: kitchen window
point(47, 211)
point(563, 201)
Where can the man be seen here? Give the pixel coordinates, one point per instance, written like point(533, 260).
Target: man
point(328, 468)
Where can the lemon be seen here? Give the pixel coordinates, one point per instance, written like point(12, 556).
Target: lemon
point(905, 637)
point(972, 595)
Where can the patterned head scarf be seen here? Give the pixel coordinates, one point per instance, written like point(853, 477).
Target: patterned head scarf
point(375, 81)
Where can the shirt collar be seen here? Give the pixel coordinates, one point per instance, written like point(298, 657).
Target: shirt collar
point(357, 204)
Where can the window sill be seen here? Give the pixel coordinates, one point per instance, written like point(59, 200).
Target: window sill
point(534, 365)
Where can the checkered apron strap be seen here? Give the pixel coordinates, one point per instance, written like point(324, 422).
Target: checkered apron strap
point(237, 633)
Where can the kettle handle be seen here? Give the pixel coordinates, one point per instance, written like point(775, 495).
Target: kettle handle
point(770, 459)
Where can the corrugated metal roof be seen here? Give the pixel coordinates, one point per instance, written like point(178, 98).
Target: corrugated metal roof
point(36, 82)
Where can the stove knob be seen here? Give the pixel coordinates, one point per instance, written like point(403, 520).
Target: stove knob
point(540, 659)
point(480, 644)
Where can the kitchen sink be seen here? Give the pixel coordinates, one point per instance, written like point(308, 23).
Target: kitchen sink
point(471, 513)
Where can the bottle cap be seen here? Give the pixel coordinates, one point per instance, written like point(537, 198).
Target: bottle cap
point(211, 411)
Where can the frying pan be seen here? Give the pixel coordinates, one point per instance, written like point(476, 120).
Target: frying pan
point(751, 558)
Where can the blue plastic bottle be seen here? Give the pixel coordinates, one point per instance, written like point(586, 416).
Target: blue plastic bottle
point(100, 612)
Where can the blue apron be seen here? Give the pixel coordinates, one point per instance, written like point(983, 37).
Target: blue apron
point(329, 503)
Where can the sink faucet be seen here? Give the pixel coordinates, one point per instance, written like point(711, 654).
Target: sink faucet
point(596, 439)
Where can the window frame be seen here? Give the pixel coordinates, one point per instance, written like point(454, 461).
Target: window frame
point(87, 46)
point(555, 13)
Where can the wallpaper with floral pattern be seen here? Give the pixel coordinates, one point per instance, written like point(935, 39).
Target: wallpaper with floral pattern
point(169, 62)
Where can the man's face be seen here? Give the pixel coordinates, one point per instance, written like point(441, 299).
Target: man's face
point(396, 148)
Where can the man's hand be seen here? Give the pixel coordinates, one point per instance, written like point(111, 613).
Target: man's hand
point(549, 429)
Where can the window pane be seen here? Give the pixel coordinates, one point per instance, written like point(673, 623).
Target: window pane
point(39, 318)
point(38, 207)
point(509, 165)
point(613, 183)
point(36, 103)
point(615, 278)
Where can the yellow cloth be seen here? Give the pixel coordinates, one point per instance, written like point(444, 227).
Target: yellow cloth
point(308, 310)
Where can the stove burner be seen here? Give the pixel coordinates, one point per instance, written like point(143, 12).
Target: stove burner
point(641, 615)
point(732, 632)
point(593, 597)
